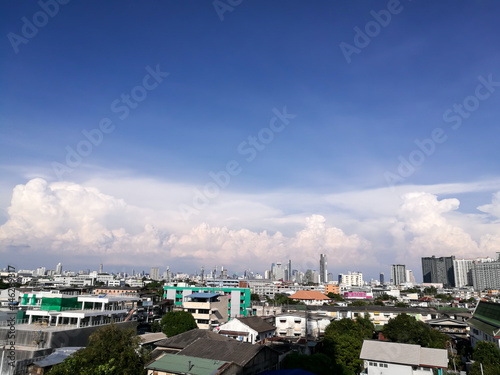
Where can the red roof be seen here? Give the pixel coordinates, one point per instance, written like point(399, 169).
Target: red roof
point(313, 295)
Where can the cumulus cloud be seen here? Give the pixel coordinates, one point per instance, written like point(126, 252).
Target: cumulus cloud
point(68, 218)
point(428, 231)
point(493, 208)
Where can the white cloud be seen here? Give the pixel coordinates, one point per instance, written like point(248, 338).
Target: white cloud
point(74, 219)
point(137, 221)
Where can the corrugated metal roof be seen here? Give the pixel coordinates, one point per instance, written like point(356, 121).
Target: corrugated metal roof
point(182, 340)
point(231, 351)
point(405, 354)
point(57, 357)
point(182, 364)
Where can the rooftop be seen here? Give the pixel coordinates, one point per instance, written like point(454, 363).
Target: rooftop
point(404, 354)
point(309, 295)
point(182, 340)
point(257, 324)
point(181, 364)
point(231, 350)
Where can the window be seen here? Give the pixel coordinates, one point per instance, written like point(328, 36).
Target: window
point(192, 311)
point(203, 311)
point(282, 320)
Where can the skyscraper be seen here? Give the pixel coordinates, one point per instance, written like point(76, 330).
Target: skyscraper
point(381, 278)
point(438, 270)
point(398, 274)
point(323, 272)
point(154, 274)
point(58, 269)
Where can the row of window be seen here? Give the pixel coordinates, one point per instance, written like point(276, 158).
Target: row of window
point(375, 364)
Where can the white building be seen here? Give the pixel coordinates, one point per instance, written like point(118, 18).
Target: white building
point(352, 279)
point(251, 329)
point(398, 274)
point(209, 310)
point(390, 358)
point(293, 324)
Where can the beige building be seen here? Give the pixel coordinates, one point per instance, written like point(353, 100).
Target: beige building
point(209, 310)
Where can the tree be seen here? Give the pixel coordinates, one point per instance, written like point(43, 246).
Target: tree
point(254, 297)
point(406, 329)
point(430, 290)
point(111, 351)
point(487, 354)
point(335, 296)
point(343, 341)
point(176, 322)
point(155, 327)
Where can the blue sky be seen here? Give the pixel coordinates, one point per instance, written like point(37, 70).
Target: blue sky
point(321, 182)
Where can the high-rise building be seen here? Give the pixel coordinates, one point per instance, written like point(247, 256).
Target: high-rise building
point(100, 268)
point(351, 279)
point(40, 271)
point(59, 269)
point(462, 269)
point(486, 274)
point(381, 278)
point(154, 274)
point(278, 272)
point(323, 272)
point(438, 270)
point(409, 277)
point(398, 274)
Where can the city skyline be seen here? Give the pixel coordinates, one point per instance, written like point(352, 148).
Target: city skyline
point(172, 133)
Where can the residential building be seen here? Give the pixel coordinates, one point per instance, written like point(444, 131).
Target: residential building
point(172, 364)
point(310, 297)
point(278, 271)
point(485, 323)
point(332, 288)
point(409, 277)
point(462, 269)
point(398, 274)
point(154, 273)
point(250, 329)
point(293, 324)
point(351, 279)
point(59, 269)
point(389, 358)
point(238, 303)
point(323, 271)
point(486, 275)
point(438, 270)
point(209, 310)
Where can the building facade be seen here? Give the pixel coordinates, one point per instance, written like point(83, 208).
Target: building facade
point(438, 271)
point(398, 274)
point(323, 271)
point(238, 302)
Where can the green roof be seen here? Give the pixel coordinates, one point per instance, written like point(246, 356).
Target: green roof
point(183, 364)
point(486, 318)
point(482, 326)
point(488, 312)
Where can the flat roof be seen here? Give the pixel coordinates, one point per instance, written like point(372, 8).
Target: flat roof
point(203, 295)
